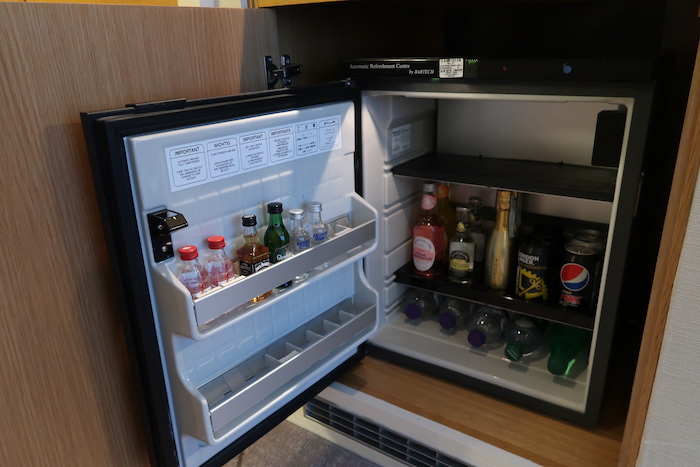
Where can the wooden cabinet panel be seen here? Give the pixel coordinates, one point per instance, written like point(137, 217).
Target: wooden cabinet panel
point(68, 391)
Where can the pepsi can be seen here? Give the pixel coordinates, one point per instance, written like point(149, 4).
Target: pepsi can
point(577, 277)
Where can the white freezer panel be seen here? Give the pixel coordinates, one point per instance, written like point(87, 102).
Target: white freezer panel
point(398, 189)
point(397, 258)
point(393, 292)
point(397, 127)
point(398, 226)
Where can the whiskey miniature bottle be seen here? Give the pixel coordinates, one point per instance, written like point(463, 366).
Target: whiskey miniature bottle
point(253, 256)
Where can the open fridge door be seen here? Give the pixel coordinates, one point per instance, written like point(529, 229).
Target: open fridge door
point(219, 370)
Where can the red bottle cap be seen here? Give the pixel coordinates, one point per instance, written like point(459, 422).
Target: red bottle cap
point(188, 252)
point(216, 242)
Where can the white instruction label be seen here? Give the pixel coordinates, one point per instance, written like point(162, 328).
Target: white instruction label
point(451, 68)
point(187, 165)
point(223, 157)
point(281, 143)
point(400, 139)
point(202, 162)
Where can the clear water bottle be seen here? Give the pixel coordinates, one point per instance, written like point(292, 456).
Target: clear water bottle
point(565, 345)
point(454, 313)
point(320, 232)
point(192, 275)
point(219, 266)
point(301, 240)
point(523, 336)
point(486, 325)
point(420, 304)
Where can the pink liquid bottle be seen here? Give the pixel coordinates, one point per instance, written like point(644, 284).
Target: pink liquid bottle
point(219, 266)
point(192, 275)
point(429, 238)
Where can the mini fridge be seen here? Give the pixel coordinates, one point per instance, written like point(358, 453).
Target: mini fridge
point(218, 371)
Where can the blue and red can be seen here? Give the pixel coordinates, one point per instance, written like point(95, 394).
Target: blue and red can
point(577, 277)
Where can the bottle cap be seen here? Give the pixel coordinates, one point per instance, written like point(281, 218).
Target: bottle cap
point(274, 208)
point(556, 365)
point(476, 338)
point(188, 252)
point(412, 311)
point(429, 186)
point(314, 206)
point(216, 242)
point(249, 220)
point(296, 213)
point(514, 351)
point(447, 320)
point(443, 190)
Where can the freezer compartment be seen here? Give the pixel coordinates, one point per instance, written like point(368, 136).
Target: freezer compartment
point(263, 376)
point(426, 341)
point(354, 237)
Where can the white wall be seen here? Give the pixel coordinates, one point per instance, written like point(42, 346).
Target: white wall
point(672, 428)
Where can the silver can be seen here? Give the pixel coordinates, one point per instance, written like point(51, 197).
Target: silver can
point(592, 238)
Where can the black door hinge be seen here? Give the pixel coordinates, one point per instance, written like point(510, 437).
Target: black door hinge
point(287, 69)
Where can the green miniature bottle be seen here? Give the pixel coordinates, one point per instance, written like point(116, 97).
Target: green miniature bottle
point(277, 238)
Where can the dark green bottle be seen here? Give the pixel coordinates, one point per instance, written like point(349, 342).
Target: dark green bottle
point(565, 345)
point(277, 239)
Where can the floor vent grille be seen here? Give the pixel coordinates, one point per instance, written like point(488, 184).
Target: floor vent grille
point(378, 437)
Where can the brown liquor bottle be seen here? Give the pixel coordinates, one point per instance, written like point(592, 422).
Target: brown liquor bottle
point(253, 256)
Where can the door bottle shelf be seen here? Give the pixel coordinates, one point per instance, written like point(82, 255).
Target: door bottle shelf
point(575, 181)
point(354, 238)
point(477, 292)
point(224, 402)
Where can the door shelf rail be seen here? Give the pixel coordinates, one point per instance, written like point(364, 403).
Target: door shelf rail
point(549, 178)
point(355, 237)
point(477, 292)
point(224, 402)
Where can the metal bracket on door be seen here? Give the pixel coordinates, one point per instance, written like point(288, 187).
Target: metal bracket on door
point(284, 72)
point(161, 224)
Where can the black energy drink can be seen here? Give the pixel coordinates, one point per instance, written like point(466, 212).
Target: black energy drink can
point(578, 277)
point(533, 270)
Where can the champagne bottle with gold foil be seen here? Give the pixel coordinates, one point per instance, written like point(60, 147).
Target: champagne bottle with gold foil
point(499, 249)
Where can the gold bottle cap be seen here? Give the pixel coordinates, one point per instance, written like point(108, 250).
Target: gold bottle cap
point(503, 199)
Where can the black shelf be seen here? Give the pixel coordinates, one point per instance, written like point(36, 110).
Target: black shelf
point(476, 292)
point(595, 183)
